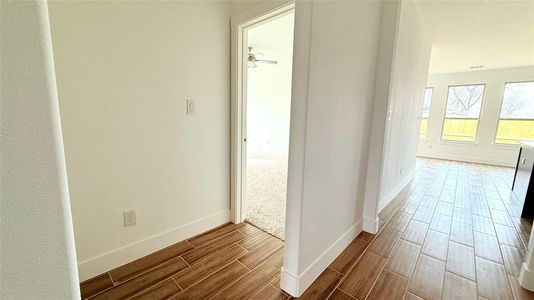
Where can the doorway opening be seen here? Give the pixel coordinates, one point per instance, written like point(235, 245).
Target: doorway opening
point(265, 59)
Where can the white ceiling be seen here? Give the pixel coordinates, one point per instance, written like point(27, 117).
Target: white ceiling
point(497, 34)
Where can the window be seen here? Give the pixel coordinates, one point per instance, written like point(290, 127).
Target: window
point(462, 113)
point(425, 112)
point(516, 121)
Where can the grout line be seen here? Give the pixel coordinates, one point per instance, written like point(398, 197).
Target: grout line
point(228, 285)
point(111, 278)
point(351, 297)
point(172, 278)
point(208, 275)
point(191, 245)
point(249, 269)
point(369, 244)
point(336, 271)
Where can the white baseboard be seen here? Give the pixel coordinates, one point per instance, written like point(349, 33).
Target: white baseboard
point(395, 191)
point(295, 285)
point(370, 226)
point(99, 264)
point(476, 160)
point(526, 278)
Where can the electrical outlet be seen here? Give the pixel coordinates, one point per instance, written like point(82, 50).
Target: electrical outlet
point(401, 171)
point(129, 218)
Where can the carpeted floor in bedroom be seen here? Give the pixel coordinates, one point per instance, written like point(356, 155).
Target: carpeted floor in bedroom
point(266, 192)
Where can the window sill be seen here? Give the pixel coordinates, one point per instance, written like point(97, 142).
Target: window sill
point(506, 146)
point(463, 143)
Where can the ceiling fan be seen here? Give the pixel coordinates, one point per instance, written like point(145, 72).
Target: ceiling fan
point(252, 60)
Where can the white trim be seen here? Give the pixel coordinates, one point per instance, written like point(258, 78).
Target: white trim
point(99, 264)
point(395, 191)
point(295, 285)
point(380, 124)
point(526, 277)
point(477, 160)
point(238, 69)
point(371, 226)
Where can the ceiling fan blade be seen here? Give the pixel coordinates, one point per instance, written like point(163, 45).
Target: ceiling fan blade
point(265, 61)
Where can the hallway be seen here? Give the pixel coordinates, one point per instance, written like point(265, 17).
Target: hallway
point(453, 233)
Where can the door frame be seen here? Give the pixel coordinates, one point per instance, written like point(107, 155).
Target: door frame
point(238, 92)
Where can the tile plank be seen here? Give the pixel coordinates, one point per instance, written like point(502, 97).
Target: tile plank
point(213, 284)
point(483, 224)
point(260, 254)
point(208, 266)
point(323, 285)
point(389, 286)
point(441, 223)
point(159, 291)
point(513, 259)
point(487, 246)
point(400, 221)
point(251, 243)
point(461, 260)
point(95, 285)
point(457, 287)
point(444, 208)
point(270, 293)
point(492, 281)
point(277, 260)
point(462, 233)
point(250, 284)
point(427, 280)
point(415, 232)
point(145, 280)
point(340, 295)
point(213, 246)
point(359, 281)
point(508, 235)
point(385, 241)
point(436, 245)
point(136, 267)
point(249, 230)
point(403, 258)
point(205, 238)
point(423, 214)
point(354, 250)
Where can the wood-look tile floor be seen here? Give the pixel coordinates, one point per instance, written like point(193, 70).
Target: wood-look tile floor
point(453, 233)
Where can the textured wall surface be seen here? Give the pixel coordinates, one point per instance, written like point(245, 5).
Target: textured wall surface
point(37, 242)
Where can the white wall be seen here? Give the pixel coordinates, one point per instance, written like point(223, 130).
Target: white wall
point(37, 256)
point(402, 69)
point(125, 70)
point(484, 150)
point(269, 87)
point(407, 88)
point(333, 85)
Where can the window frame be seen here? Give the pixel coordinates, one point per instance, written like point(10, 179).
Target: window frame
point(475, 141)
point(503, 91)
point(421, 114)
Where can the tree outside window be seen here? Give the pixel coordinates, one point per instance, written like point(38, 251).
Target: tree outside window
point(463, 112)
point(516, 121)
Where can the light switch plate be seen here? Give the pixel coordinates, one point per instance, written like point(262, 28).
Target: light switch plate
point(191, 107)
